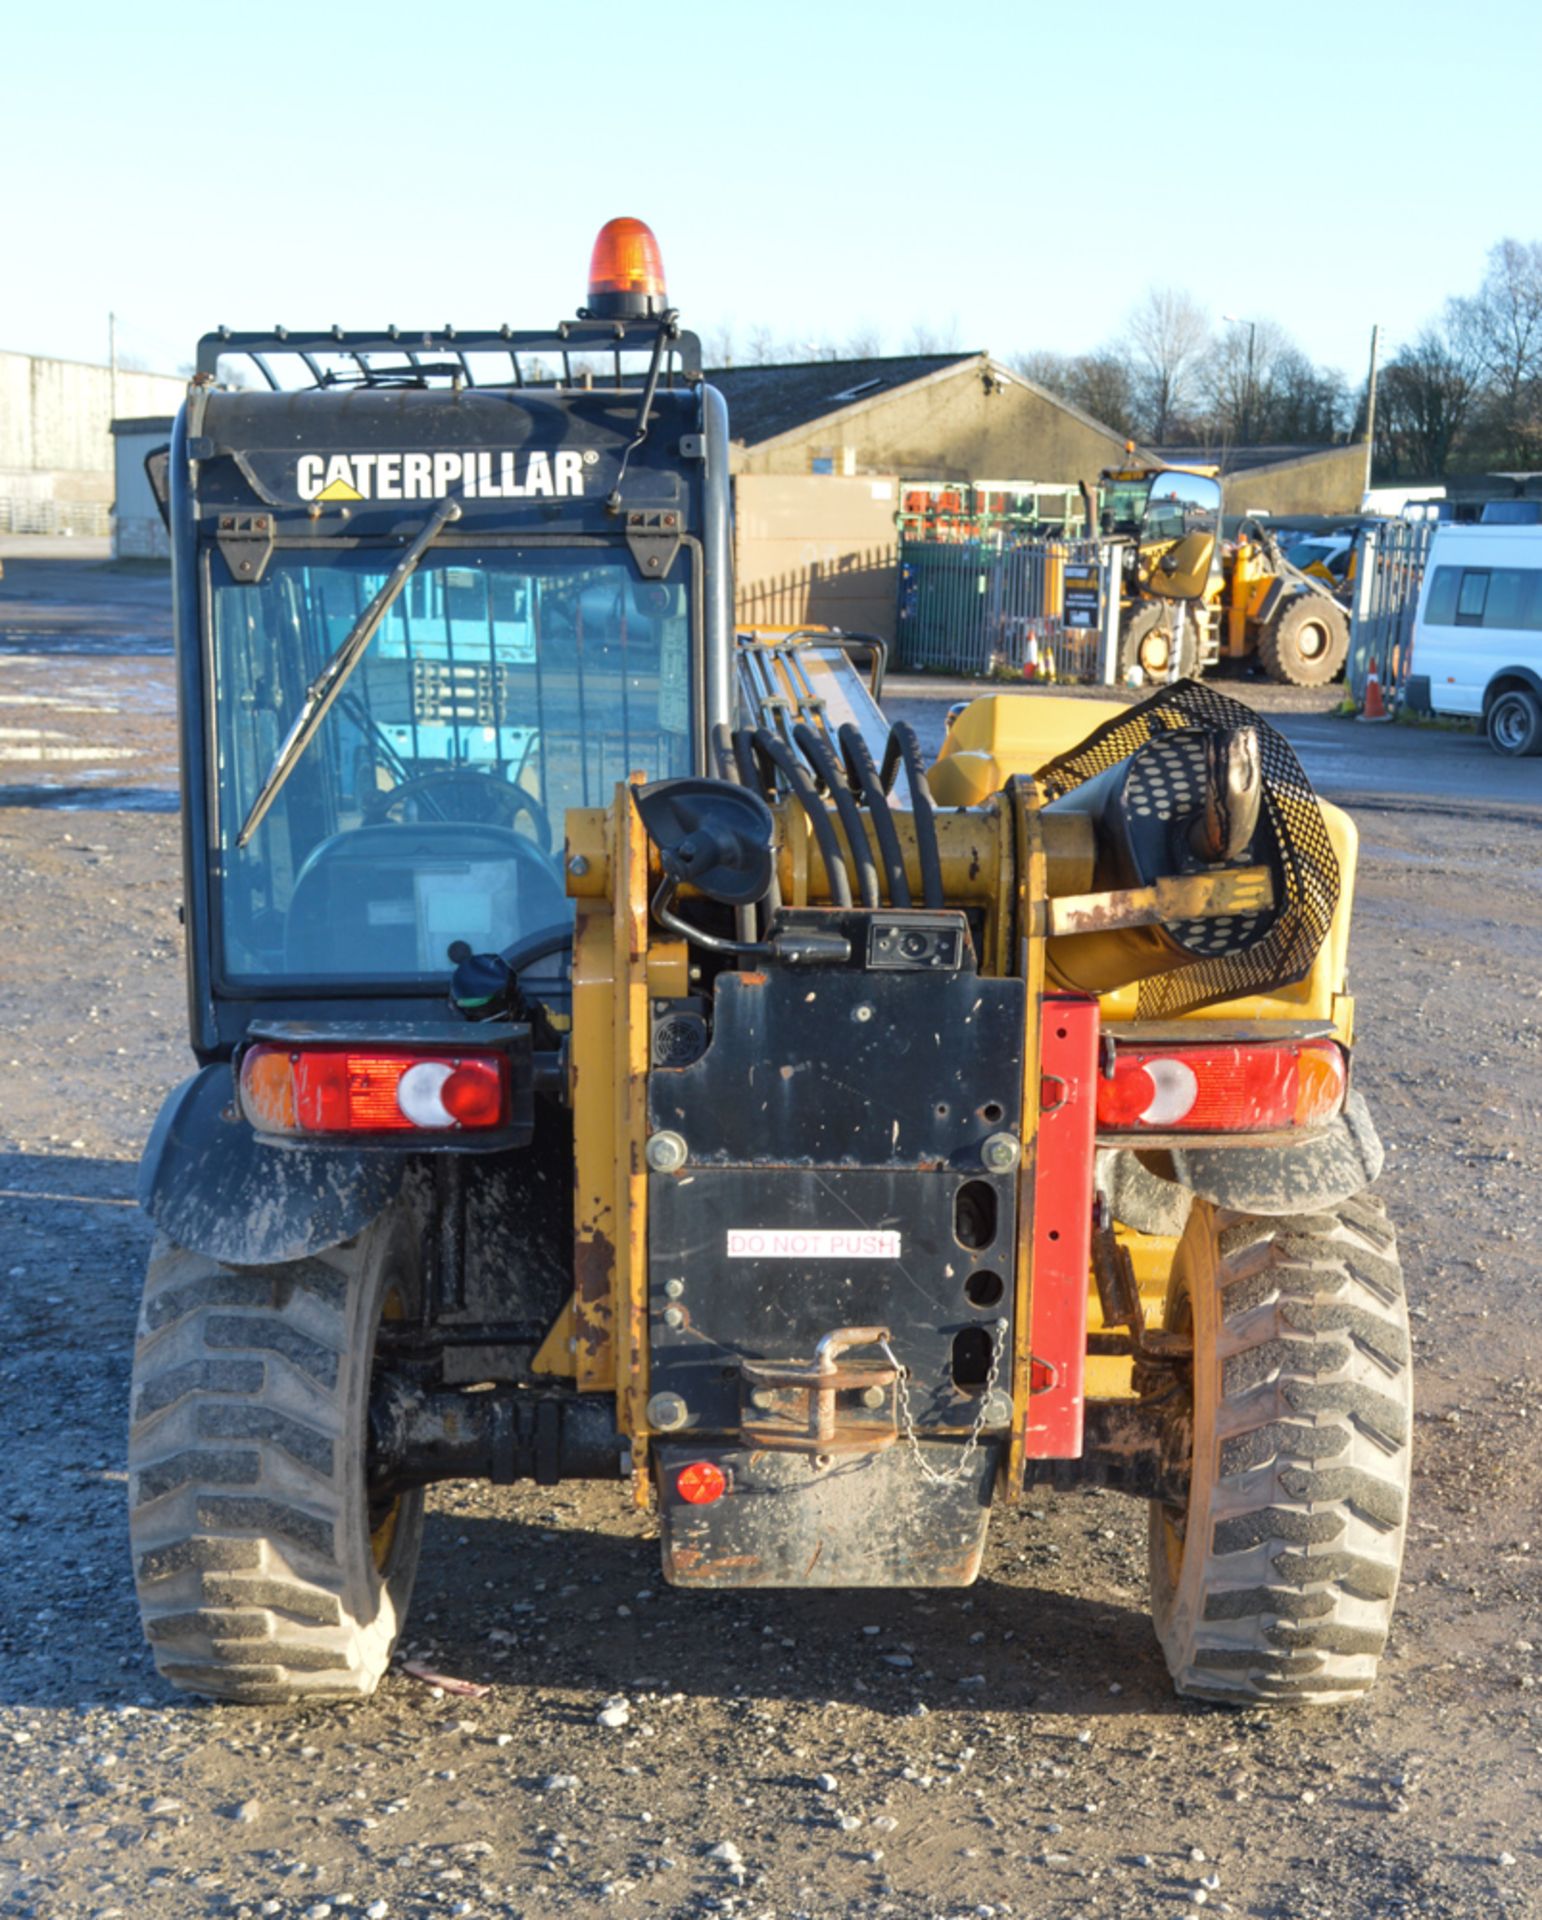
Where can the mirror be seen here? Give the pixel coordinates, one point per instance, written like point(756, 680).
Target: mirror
point(1178, 533)
point(714, 835)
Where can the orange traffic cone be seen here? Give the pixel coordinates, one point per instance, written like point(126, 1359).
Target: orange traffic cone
point(1375, 707)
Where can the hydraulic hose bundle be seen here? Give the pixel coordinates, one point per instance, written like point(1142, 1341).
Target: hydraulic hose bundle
point(838, 794)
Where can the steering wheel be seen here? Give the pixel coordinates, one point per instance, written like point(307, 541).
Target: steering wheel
point(491, 800)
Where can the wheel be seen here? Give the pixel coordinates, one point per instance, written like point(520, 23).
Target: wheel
point(1306, 643)
point(264, 1575)
point(1514, 723)
point(1276, 1582)
point(1145, 647)
point(483, 799)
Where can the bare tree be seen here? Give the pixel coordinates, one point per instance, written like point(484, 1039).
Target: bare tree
point(1500, 327)
point(762, 348)
point(1169, 336)
point(1425, 400)
point(864, 342)
point(1100, 383)
point(927, 337)
point(718, 345)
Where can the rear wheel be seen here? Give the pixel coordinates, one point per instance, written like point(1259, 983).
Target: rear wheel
point(1306, 643)
point(1514, 723)
point(264, 1573)
point(1276, 1582)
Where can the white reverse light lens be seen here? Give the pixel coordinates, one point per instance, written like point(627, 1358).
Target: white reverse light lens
point(1176, 1091)
point(419, 1089)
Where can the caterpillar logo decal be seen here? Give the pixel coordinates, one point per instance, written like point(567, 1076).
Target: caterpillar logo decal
point(433, 476)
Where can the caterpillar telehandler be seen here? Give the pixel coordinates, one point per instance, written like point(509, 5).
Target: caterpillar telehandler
point(621, 1057)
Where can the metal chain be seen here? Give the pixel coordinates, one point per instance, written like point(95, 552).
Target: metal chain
point(971, 1446)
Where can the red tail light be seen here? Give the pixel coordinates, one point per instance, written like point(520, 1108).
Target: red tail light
point(386, 1090)
point(1249, 1088)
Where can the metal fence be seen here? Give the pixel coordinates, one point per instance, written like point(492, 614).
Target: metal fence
point(1388, 573)
point(976, 607)
point(19, 514)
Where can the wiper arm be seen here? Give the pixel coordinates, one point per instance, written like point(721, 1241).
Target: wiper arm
point(333, 677)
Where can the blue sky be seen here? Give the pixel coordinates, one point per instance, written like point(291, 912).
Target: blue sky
point(1011, 177)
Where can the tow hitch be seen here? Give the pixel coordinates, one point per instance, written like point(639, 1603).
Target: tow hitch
point(826, 1408)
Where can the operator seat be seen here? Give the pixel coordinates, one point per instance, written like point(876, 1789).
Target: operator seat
point(389, 899)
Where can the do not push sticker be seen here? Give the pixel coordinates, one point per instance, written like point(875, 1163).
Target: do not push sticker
point(814, 1243)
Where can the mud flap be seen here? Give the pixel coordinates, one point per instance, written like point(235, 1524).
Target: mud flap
point(872, 1520)
point(209, 1186)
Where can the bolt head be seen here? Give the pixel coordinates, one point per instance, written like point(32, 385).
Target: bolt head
point(673, 1289)
point(873, 1397)
point(667, 1412)
point(578, 864)
point(1000, 1152)
point(666, 1152)
point(998, 1410)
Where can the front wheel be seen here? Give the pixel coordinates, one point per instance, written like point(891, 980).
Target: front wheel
point(1275, 1582)
point(1146, 646)
point(1306, 643)
point(1514, 724)
point(265, 1572)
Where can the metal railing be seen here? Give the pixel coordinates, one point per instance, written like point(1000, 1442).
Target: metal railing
point(975, 607)
point(68, 517)
point(1388, 573)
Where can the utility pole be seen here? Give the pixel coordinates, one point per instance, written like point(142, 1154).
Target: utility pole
point(1370, 408)
point(1246, 425)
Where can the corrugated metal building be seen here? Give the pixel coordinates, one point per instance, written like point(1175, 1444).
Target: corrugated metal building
point(56, 448)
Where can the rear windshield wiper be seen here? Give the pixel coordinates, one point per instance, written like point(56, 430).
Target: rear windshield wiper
point(332, 678)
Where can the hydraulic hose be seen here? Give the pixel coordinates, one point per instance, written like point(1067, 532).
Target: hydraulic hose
point(863, 769)
point(816, 749)
point(798, 779)
point(728, 769)
point(903, 745)
point(752, 776)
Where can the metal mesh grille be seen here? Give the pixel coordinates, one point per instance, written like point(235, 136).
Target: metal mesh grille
point(1307, 874)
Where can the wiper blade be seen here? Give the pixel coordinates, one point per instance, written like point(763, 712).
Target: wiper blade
point(333, 677)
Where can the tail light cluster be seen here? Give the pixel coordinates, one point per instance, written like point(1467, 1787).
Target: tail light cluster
point(383, 1090)
point(1248, 1088)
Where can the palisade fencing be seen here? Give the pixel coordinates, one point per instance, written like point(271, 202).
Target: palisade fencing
point(1388, 574)
point(976, 606)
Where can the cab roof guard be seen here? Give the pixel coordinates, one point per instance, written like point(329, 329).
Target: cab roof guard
point(443, 357)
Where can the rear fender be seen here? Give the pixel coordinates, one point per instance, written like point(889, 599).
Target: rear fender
point(208, 1185)
point(1152, 1192)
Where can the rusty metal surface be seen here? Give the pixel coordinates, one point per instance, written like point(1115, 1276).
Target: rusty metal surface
point(868, 1521)
point(1198, 896)
point(800, 1407)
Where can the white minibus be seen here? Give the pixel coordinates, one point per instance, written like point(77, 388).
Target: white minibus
point(1477, 637)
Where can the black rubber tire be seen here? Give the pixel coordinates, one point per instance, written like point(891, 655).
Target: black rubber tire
point(1513, 723)
point(1277, 1584)
point(1306, 643)
point(1144, 623)
point(259, 1579)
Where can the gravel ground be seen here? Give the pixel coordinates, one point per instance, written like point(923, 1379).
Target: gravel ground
point(1011, 1750)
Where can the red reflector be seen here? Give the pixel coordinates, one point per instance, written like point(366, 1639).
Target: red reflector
point(701, 1483)
point(1249, 1088)
point(387, 1090)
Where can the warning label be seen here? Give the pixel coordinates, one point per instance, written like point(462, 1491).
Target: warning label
point(814, 1243)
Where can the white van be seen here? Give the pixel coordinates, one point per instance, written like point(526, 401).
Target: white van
point(1477, 638)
